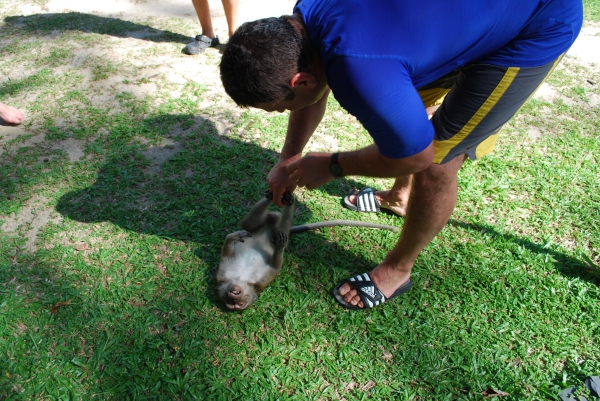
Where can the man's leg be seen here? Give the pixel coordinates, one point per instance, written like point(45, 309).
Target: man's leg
point(203, 11)
point(431, 204)
point(467, 124)
point(231, 13)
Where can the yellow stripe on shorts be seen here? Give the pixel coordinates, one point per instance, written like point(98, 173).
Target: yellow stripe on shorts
point(442, 148)
point(431, 97)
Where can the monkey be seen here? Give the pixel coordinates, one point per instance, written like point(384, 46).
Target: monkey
point(252, 257)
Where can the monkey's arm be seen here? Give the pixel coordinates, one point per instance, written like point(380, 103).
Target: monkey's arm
point(282, 229)
point(280, 243)
point(257, 215)
point(285, 222)
point(232, 238)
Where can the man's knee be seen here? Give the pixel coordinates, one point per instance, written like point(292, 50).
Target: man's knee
point(437, 175)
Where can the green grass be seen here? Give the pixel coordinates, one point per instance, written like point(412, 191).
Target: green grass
point(506, 298)
point(591, 9)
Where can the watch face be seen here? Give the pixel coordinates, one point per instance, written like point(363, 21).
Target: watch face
point(335, 169)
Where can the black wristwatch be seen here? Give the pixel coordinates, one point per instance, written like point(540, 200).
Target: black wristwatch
point(334, 167)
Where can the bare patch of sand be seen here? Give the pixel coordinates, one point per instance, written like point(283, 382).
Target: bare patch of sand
point(549, 94)
point(32, 217)
point(158, 155)
point(73, 147)
point(12, 138)
point(587, 47)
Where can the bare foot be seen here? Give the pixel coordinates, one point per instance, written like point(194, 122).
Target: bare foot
point(385, 277)
point(386, 201)
point(10, 115)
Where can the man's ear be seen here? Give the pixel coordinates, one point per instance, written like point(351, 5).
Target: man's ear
point(303, 79)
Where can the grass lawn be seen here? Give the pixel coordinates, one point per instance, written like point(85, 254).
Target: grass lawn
point(131, 167)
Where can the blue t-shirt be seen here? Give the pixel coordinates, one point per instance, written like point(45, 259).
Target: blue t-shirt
point(376, 53)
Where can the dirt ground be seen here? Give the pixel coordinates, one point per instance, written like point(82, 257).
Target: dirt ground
point(35, 216)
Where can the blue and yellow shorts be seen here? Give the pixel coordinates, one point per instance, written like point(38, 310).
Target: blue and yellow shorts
point(476, 101)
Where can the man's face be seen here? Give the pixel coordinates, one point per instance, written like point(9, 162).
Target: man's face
point(305, 96)
point(292, 105)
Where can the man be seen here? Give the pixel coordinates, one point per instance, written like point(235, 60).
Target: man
point(389, 63)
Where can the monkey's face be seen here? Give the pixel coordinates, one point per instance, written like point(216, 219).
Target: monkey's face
point(237, 296)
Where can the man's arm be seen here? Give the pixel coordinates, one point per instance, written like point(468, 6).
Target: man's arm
point(312, 170)
point(301, 125)
point(370, 163)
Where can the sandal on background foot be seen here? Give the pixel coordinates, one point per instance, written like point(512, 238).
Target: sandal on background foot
point(367, 291)
point(366, 201)
point(200, 44)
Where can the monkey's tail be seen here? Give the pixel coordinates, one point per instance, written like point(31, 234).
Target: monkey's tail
point(331, 223)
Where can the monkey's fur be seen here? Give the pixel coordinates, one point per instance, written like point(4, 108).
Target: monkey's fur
point(252, 257)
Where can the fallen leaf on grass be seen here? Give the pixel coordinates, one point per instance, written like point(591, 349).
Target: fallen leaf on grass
point(82, 247)
point(490, 392)
point(592, 270)
point(368, 386)
point(181, 323)
point(57, 305)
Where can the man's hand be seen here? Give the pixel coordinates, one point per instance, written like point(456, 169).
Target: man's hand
point(301, 126)
point(279, 180)
point(311, 171)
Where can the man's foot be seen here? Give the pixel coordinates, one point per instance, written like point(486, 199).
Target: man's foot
point(386, 201)
point(386, 279)
point(10, 115)
point(200, 44)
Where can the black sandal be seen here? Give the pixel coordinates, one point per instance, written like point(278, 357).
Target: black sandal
point(367, 291)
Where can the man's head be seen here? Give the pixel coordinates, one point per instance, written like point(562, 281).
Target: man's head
point(261, 59)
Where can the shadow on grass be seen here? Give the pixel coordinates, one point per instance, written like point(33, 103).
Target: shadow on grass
point(49, 24)
point(197, 188)
point(566, 265)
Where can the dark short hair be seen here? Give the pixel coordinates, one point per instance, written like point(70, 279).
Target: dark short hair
point(260, 59)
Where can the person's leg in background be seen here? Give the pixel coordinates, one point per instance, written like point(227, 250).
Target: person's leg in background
point(208, 38)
